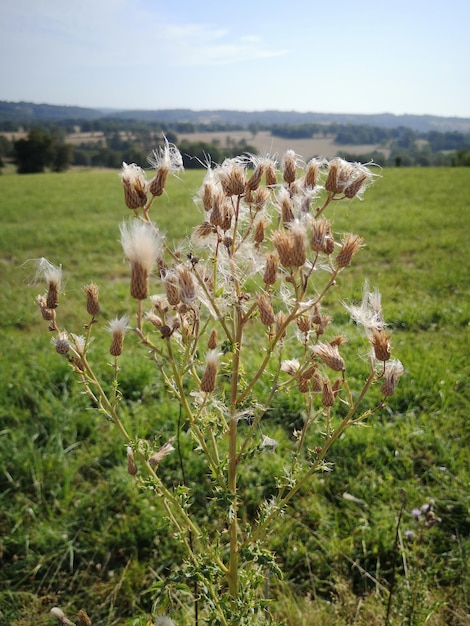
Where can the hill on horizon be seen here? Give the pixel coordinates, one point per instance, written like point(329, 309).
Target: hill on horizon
point(30, 112)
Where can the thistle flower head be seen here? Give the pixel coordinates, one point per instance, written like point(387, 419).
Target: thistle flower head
point(231, 175)
point(208, 379)
point(312, 172)
point(92, 303)
point(118, 327)
point(135, 185)
point(330, 355)
point(165, 159)
point(289, 166)
point(52, 275)
point(142, 245)
point(164, 451)
point(290, 366)
point(393, 371)
point(61, 342)
point(351, 245)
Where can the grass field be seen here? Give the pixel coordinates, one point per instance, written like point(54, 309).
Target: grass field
point(75, 531)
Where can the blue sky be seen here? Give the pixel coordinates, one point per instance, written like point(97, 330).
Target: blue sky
point(332, 56)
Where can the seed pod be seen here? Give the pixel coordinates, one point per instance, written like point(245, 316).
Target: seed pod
point(265, 309)
point(289, 166)
point(351, 245)
point(381, 344)
point(210, 373)
point(328, 396)
point(92, 304)
point(271, 178)
point(212, 342)
point(270, 272)
point(283, 244)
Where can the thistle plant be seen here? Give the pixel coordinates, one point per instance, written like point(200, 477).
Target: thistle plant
point(233, 318)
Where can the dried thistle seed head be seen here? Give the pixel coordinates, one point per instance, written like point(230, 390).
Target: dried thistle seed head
point(227, 214)
point(118, 327)
point(304, 323)
point(310, 371)
point(216, 217)
point(204, 230)
point(171, 284)
point(330, 356)
point(312, 171)
point(186, 284)
point(259, 231)
point(131, 466)
point(47, 314)
point(207, 193)
point(260, 198)
point(157, 184)
point(289, 166)
point(331, 183)
point(139, 282)
point(265, 308)
point(155, 320)
point(336, 386)
point(92, 304)
point(212, 342)
point(165, 159)
point(286, 206)
point(321, 239)
point(232, 177)
point(291, 367)
point(254, 181)
point(381, 344)
point(328, 396)
point(210, 373)
point(52, 275)
point(317, 382)
point(299, 252)
point(164, 451)
point(52, 297)
point(282, 241)
point(304, 385)
point(270, 272)
point(338, 340)
point(61, 342)
point(271, 176)
point(351, 245)
point(393, 372)
point(135, 185)
point(142, 246)
point(355, 186)
point(159, 304)
point(323, 323)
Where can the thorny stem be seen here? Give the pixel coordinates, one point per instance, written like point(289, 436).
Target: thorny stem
point(233, 458)
point(347, 421)
point(187, 409)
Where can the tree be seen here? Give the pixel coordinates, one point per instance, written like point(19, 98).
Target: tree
point(40, 150)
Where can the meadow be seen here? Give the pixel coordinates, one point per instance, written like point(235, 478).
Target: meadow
point(384, 536)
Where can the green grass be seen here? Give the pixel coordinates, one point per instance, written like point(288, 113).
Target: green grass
point(75, 531)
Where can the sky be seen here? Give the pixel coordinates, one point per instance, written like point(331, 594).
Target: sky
point(335, 56)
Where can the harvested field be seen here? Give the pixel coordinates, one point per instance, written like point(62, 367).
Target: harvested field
point(266, 143)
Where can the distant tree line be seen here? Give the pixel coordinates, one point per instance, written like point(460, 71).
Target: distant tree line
point(46, 147)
